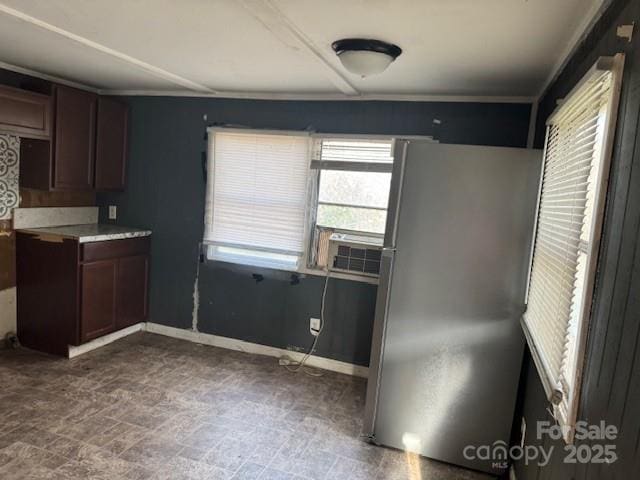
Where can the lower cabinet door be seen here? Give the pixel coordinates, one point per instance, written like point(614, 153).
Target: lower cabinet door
point(98, 311)
point(133, 274)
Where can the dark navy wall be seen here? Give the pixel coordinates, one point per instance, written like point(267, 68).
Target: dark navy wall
point(274, 312)
point(165, 192)
point(611, 390)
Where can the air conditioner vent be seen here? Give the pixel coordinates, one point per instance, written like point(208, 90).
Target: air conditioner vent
point(355, 254)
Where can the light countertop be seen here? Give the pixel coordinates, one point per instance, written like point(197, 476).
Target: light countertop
point(90, 232)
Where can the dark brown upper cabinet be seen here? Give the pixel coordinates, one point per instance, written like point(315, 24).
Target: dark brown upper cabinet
point(24, 113)
point(88, 145)
point(111, 144)
point(74, 140)
point(66, 161)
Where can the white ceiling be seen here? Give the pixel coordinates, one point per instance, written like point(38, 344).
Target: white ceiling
point(497, 48)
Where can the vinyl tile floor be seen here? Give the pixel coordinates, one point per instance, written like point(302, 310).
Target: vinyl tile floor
point(152, 407)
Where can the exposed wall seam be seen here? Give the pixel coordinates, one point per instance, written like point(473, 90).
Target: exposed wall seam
point(196, 304)
point(196, 293)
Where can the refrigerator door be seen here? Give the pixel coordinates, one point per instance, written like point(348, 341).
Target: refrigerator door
point(450, 340)
point(384, 287)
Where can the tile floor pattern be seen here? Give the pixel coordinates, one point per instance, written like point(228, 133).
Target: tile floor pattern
point(151, 407)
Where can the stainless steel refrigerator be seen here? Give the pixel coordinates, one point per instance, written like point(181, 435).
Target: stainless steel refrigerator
point(447, 345)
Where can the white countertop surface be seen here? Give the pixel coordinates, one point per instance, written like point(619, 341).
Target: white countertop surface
point(90, 232)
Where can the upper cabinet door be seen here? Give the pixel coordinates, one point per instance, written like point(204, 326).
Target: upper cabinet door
point(75, 130)
point(111, 147)
point(24, 113)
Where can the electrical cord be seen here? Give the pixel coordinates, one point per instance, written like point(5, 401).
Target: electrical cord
point(296, 366)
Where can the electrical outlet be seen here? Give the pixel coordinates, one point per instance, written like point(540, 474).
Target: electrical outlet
point(113, 212)
point(314, 326)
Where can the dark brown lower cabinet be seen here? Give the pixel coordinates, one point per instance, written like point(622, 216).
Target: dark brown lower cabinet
point(70, 293)
point(98, 298)
point(131, 295)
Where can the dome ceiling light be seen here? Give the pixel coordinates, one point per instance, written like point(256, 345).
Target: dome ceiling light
point(365, 57)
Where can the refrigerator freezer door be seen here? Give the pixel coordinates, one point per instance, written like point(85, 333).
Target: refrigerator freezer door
point(451, 345)
point(384, 286)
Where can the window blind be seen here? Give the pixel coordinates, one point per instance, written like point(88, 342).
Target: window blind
point(570, 206)
point(257, 190)
point(353, 154)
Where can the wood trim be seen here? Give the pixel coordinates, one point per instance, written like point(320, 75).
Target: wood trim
point(75, 351)
point(248, 347)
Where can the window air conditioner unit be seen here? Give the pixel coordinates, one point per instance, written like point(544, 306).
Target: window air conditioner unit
point(357, 254)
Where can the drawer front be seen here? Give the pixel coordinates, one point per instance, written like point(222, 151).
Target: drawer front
point(115, 248)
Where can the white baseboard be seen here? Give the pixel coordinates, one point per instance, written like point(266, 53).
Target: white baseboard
point(102, 341)
point(221, 342)
point(247, 347)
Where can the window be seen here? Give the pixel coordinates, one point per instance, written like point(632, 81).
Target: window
point(353, 177)
point(573, 189)
point(275, 198)
point(257, 197)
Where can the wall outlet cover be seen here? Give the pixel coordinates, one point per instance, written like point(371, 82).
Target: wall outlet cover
point(314, 326)
point(113, 212)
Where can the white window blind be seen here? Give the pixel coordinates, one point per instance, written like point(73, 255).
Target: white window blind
point(256, 197)
point(573, 187)
point(364, 154)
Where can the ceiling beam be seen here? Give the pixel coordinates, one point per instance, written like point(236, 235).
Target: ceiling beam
point(147, 67)
point(283, 28)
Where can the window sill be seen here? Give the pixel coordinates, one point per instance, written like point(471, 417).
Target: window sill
point(246, 267)
point(247, 259)
point(341, 275)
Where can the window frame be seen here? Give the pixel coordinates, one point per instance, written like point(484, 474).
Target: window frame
point(210, 246)
point(566, 413)
point(317, 166)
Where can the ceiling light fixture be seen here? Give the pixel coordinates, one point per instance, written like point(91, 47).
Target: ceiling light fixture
point(364, 57)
